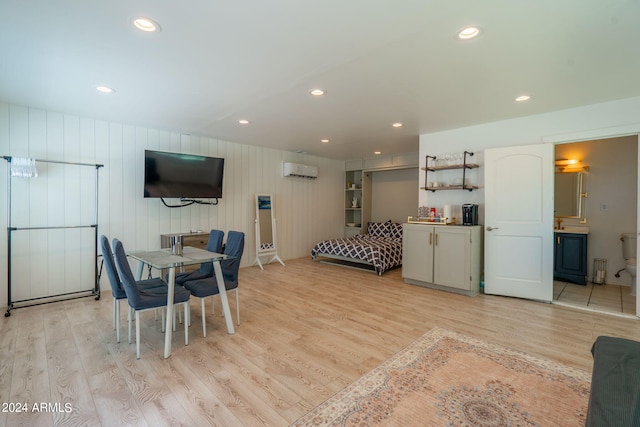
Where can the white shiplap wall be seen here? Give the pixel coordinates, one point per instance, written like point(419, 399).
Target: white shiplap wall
point(306, 210)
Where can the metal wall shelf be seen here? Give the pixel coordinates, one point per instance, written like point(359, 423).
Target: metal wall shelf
point(463, 166)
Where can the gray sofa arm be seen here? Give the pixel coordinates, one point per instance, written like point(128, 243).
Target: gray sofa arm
point(615, 383)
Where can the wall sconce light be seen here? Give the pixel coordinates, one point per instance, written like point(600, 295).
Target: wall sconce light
point(570, 165)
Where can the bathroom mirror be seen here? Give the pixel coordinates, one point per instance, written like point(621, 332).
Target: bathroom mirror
point(266, 229)
point(568, 194)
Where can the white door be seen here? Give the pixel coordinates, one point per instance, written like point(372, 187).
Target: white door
point(519, 221)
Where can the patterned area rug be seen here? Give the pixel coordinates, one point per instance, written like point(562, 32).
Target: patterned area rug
point(448, 379)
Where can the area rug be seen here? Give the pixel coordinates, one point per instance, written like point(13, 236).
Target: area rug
point(448, 379)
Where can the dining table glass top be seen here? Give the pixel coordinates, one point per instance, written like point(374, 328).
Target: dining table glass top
point(163, 258)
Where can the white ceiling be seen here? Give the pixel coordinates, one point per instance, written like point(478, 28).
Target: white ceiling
point(380, 62)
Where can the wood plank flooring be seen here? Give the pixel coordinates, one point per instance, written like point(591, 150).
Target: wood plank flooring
point(307, 331)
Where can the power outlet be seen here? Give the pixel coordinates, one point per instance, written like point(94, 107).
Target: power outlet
point(604, 207)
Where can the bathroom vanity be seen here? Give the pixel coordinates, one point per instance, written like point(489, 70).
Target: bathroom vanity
point(570, 254)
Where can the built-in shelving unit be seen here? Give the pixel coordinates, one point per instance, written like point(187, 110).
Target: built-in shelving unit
point(353, 212)
point(432, 166)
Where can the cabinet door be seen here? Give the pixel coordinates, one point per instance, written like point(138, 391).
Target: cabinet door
point(452, 257)
point(417, 252)
point(570, 262)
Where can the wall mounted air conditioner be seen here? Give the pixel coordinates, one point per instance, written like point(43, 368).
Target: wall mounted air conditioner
point(300, 171)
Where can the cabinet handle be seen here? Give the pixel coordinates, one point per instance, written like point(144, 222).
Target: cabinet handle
point(430, 238)
point(436, 239)
point(558, 239)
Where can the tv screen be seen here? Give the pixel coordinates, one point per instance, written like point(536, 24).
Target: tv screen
point(176, 175)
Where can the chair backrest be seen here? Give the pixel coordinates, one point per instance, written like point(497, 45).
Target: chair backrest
point(215, 241)
point(126, 275)
point(234, 247)
point(213, 245)
point(109, 264)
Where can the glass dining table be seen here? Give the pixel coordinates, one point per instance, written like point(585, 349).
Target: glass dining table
point(164, 259)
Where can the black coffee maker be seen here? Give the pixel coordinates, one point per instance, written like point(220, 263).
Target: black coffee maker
point(469, 214)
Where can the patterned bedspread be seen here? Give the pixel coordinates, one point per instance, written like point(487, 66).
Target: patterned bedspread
point(381, 252)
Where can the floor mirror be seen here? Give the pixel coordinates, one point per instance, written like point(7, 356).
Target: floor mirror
point(266, 230)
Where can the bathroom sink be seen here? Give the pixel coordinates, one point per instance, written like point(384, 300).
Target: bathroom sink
point(572, 229)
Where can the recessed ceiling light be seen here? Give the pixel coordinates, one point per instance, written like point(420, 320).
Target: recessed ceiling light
point(523, 98)
point(317, 92)
point(104, 89)
point(377, 152)
point(146, 24)
point(324, 141)
point(243, 121)
point(397, 125)
point(468, 33)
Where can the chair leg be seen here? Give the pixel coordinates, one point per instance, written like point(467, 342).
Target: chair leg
point(173, 323)
point(204, 323)
point(137, 335)
point(186, 323)
point(237, 308)
point(115, 302)
point(116, 313)
point(129, 320)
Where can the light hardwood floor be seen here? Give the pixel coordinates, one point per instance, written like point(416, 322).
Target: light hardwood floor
point(307, 331)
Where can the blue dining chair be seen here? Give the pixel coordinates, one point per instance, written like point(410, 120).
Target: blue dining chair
point(117, 289)
point(208, 287)
point(214, 244)
point(142, 300)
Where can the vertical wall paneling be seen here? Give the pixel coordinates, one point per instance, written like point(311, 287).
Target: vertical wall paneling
point(4, 151)
point(114, 164)
point(141, 205)
point(101, 138)
point(19, 147)
point(38, 242)
point(129, 204)
point(306, 210)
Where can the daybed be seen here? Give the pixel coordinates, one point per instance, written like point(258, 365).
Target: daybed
point(380, 248)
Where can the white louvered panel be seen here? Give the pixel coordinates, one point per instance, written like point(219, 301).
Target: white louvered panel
point(306, 211)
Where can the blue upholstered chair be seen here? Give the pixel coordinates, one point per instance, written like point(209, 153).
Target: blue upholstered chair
point(142, 300)
point(208, 287)
point(117, 290)
point(214, 244)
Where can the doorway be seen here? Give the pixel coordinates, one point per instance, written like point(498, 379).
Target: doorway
point(610, 210)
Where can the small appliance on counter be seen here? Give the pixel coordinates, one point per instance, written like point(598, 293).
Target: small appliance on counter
point(469, 214)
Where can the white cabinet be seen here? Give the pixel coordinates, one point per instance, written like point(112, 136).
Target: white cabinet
point(446, 257)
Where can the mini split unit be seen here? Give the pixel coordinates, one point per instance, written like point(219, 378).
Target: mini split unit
point(299, 171)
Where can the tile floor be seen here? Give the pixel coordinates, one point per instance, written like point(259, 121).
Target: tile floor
point(605, 298)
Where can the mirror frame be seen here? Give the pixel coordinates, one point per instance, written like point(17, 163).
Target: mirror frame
point(580, 195)
point(271, 248)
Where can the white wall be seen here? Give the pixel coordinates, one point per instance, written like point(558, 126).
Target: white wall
point(306, 210)
point(604, 120)
point(393, 195)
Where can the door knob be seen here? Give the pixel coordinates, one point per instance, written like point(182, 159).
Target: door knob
point(489, 228)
